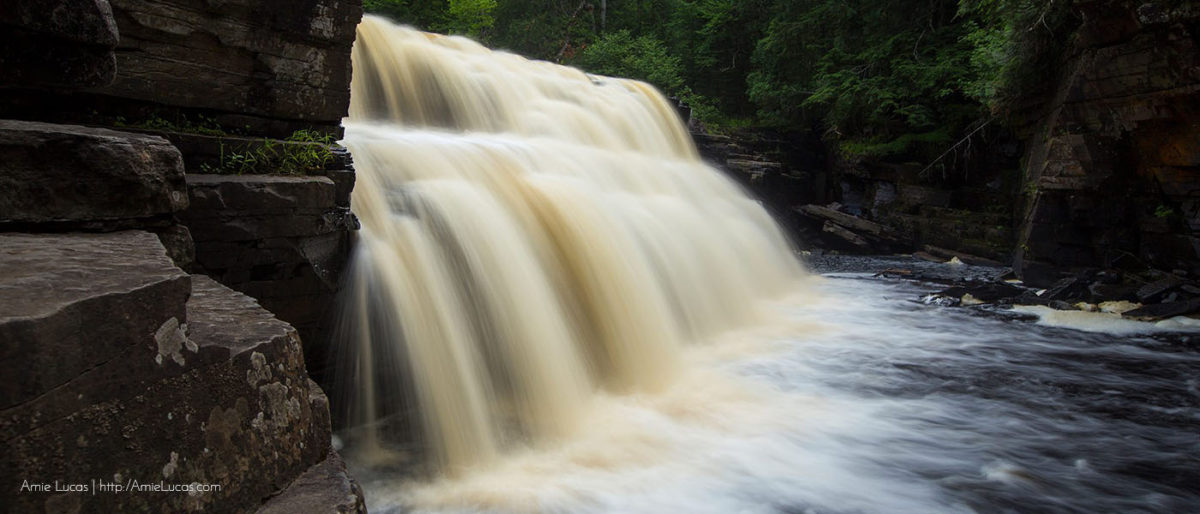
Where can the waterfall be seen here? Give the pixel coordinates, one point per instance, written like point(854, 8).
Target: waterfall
point(531, 235)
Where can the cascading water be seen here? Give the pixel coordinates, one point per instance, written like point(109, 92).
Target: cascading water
point(530, 234)
point(576, 315)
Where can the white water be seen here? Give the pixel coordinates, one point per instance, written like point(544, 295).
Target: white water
point(533, 238)
point(861, 399)
point(557, 308)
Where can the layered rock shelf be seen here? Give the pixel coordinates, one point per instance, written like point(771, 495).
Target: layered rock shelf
point(283, 240)
point(130, 384)
point(123, 369)
point(65, 173)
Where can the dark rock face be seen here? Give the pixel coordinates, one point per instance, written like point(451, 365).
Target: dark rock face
point(1114, 162)
point(784, 171)
point(282, 240)
point(327, 485)
point(274, 66)
point(63, 44)
point(65, 173)
point(70, 303)
point(215, 394)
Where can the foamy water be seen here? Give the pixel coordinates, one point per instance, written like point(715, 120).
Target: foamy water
point(857, 398)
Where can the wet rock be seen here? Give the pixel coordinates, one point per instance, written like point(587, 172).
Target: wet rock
point(65, 173)
point(1068, 289)
point(1160, 311)
point(325, 487)
point(219, 396)
point(72, 302)
point(1155, 290)
point(986, 292)
point(967, 258)
point(1063, 306)
point(1101, 291)
point(926, 256)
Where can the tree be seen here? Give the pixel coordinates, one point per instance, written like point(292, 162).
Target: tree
point(620, 54)
point(885, 79)
point(470, 17)
point(422, 14)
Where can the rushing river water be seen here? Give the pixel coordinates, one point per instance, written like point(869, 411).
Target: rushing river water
point(868, 400)
point(556, 306)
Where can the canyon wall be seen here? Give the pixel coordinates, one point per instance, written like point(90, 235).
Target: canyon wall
point(1112, 167)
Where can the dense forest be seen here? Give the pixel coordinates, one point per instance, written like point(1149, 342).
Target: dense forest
point(903, 80)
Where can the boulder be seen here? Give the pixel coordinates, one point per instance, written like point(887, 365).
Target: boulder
point(221, 401)
point(1155, 290)
point(325, 487)
point(987, 292)
point(65, 173)
point(1159, 311)
point(70, 303)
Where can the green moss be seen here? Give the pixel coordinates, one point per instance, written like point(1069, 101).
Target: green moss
point(1163, 212)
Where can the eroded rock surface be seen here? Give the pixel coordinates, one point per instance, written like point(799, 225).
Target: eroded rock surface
point(216, 395)
point(282, 240)
point(66, 173)
point(71, 303)
point(326, 486)
point(1114, 165)
point(275, 65)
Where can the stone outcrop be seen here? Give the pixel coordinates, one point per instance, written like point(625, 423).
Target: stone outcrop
point(254, 67)
point(282, 240)
point(64, 44)
point(1114, 162)
point(59, 299)
point(763, 165)
point(124, 374)
point(327, 485)
point(64, 173)
point(149, 385)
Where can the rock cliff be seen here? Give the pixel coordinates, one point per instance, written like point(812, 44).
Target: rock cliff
point(131, 384)
point(1113, 165)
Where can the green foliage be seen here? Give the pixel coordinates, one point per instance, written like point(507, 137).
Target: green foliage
point(305, 152)
point(1163, 212)
point(620, 54)
point(423, 14)
point(1015, 45)
point(470, 17)
point(883, 79)
point(903, 80)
